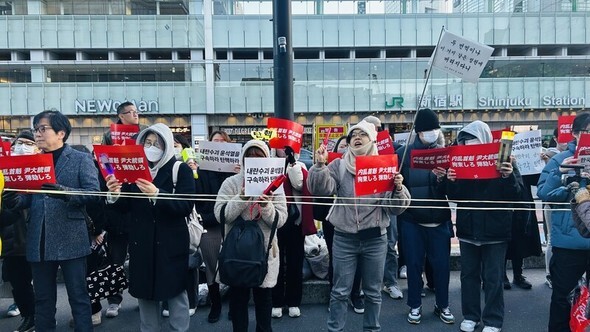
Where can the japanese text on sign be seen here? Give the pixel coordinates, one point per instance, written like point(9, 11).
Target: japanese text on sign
point(126, 162)
point(27, 172)
point(121, 132)
point(288, 133)
point(260, 172)
point(430, 158)
point(375, 174)
point(564, 125)
point(384, 143)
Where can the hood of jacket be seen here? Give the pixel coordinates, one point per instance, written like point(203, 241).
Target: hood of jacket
point(480, 130)
point(165, 134)
point(253, 144)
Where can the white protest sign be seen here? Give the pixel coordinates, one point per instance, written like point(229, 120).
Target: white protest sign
point(526, 148)
point(401, 138)
point(461, 57)
point(219, 157)
point(260, 172)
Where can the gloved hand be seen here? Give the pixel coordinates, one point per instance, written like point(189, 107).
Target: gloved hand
point(290, 155)
point(9, 199)
point(582, 195)
point(56, 187)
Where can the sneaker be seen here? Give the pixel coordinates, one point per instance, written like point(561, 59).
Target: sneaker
point(548, 281)
point(277, 312)
point(491, 329)
point(403, 272)
point(165, 313)
point(468, 325)
point(294, 312)
point(27, 325)
point(358, 304)
point(393, 292)
point(13, 311)
point(96, 318)
point(192, 311)
point(507, 284)
point(415, 315)
point(521, 282)
point(444, 314)
point(112, 310)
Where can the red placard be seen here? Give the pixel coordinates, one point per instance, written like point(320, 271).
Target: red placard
point(583, 147)
point(121, 132)
point(374, 174)
point(564, 128)
point(127, 162)
point(333, 156)
point(384, 143)
point(28, 172)
point(5, 148)
point(475, 161)
point(497, 135)
point(430, 158)
point(129, 141)
point(288, 133)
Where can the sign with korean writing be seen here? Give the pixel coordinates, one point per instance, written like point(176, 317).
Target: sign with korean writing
point(475, 161)
point(384, 143)
point(461, 57)
point(127, 162)
point(330, 132)
point(219, 157)
point(374, 174)
point(430, 158)
point(526, 149)
point(401, 138)
point(288, 133)
point(28, 172)
point(564, 128)
point(260, 172)
point(121, 132)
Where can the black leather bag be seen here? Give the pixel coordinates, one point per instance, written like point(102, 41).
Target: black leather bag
point(292, 212)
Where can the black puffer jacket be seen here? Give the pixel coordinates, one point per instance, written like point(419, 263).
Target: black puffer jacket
point(208, 184)
point(423, 184)
point(13, 231)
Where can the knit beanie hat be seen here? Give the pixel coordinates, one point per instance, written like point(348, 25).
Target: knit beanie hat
point(26, 134)
point(426, 120)
point(374, 120)
point(365, 126)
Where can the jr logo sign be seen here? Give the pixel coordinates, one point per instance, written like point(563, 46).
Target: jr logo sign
point(395, 102)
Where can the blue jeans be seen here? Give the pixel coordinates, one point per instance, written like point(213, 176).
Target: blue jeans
point(348, 251)
point(434, 242)
point(483, 263)
point(391, 267)
point(74, 273)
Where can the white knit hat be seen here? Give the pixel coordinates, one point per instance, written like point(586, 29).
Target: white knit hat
point(365, 126)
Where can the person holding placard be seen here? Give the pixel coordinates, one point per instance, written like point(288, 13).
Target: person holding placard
point(425, 231)
point(208, 184)
point(571, 251)
point(263, 210)
point(483, 234)
point(360, 225)
point(158, 233)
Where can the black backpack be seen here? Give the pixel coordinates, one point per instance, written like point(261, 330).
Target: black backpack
point(243, 260)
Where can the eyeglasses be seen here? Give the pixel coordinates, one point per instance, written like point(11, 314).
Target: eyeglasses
point(42, 129)
point(129, 112)
point(27, 143)
point(149, 144)
point(360, 134)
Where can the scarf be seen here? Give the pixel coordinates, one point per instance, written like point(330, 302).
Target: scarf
point(369, 149)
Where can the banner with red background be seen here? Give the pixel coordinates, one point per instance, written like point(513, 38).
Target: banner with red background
point(384, 143)
point(120, 132)
point(287, 133)
point(475, 161)
point(564, 128)
point(127, 162)
point(430, 158)
point(374, 174)
point(28, 172)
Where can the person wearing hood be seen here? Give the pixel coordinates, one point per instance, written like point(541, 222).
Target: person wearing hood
point(425, 231)
point(483, 234)
point(158, 234)
point(571, 251)
point(231, 195)
point(359, 225)
point(116, 222)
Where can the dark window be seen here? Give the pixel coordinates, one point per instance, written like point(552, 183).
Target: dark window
point(245, 55)
point(337, 54)
point(424, 52)
point(307, 54)
point(367, 54)
point(397, 53)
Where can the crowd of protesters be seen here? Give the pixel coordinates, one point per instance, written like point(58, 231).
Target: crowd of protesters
point(141, 222)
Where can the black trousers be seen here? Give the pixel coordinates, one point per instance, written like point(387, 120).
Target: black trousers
point(289, 287)
point(17, 271)
point(238, 305)
point(566, 267)
point(117, 244)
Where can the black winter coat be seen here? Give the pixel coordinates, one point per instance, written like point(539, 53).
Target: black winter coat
point(158, 236)
point(484, 225)
point(423, 184)
point(525, 241)
point(208, 184)
point(13, 231)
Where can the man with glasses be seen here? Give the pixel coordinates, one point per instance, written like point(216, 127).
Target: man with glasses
point(57, 235)
point(117, 237)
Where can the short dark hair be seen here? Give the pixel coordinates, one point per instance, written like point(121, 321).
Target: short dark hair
point(223, 134)
point(121, 107)
point(178, 138)
point(57, 121)
point(581, 122)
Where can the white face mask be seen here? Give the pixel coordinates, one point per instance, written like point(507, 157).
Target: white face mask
point(153, 154)
point(430, 136)
point(178, 153)
point(20, 150)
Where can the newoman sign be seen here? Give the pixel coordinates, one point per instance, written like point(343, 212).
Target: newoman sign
point(110, 106)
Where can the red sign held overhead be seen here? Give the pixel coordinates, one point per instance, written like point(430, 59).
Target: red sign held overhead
point(127, 162)
point(475, 161)
point(384, 143)
point(564, 128)
point(287, 133)
point(333, 155)
point(28, 172)
point(374, 174)
point(120, 132)
point(430, 158)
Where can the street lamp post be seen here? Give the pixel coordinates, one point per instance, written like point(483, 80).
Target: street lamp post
point(282, 59)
